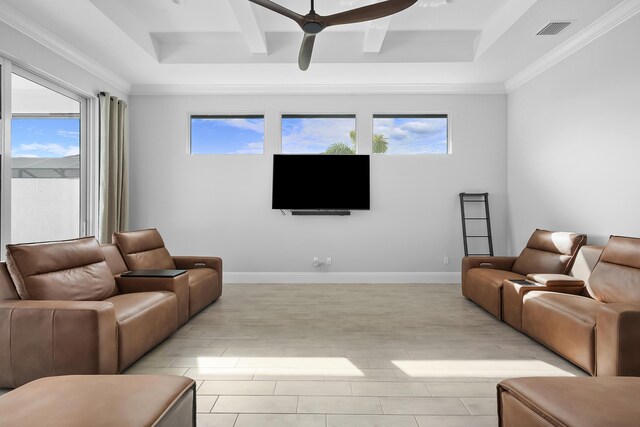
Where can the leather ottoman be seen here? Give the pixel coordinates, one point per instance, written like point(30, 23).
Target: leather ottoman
point(569, 402)
point(102, 400)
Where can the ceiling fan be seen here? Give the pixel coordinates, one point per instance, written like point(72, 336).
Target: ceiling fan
point(312, 23)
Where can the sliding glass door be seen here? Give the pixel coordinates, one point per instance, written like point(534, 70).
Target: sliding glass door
point(44, 148)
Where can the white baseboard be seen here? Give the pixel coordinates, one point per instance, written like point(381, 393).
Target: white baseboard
point(326, 277)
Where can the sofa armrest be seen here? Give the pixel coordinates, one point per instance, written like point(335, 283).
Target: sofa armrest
point(188, 262)
point(552, 280)
point(179, 285)
point(494, 262)
point(618, 340)
point(47, 338)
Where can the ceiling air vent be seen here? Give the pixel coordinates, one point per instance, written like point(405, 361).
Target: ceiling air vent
point(553, 28)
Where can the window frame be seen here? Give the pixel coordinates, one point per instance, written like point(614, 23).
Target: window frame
point(353, 116)
point(225, 115)
point(410, 115)
point(88, 147)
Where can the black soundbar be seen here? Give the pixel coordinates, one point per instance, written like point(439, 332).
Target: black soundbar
point(308, 213)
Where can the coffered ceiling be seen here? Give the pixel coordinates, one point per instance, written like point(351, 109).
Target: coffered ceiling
point(218, 43)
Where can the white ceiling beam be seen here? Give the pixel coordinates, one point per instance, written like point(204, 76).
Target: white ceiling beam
point(500, 23)
point(251, 29)
point(120, 16)
point(375, 34)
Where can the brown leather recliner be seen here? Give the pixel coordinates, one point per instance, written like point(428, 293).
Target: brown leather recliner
point(546, 252)
point(145, 249)
point(599, 331)
point(61, 313)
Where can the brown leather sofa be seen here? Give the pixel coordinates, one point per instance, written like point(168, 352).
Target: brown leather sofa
point(569, 402)
point(102, 401)
point(513, 293)
point(69, 316)
point(600, 329)
point(546, 252)
point(145, 249)
point(66, 309)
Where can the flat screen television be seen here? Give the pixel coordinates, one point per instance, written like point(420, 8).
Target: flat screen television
point(321, 182)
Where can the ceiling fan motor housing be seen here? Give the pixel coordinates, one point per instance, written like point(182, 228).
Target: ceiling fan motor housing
point(312, 27)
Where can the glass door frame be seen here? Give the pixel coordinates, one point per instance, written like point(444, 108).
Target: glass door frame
point(88, 152)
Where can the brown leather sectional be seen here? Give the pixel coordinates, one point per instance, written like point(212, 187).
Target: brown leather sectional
point(569, 402)
point(546, 252)
point(65, 308)
point(593, 322)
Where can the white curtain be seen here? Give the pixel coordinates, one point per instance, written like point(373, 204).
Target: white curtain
point(113, 209)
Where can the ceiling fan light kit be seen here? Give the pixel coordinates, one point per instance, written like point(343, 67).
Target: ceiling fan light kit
point(312, 23)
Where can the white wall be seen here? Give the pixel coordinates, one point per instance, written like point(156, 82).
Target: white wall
point(574, 143)
point(221, 205)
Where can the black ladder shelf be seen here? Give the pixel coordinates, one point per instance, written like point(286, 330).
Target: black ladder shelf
point(476, 198)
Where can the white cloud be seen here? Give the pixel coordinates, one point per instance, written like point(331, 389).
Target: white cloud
point(68, 134)
point(421, 127)
point(315, 135)
point(251, 148)
point(413, 136)
point(249, 124)
point(55, 149)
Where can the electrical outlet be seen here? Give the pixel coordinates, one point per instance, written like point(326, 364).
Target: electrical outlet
point(316, 261)
point(328, 260)
point(446, 260)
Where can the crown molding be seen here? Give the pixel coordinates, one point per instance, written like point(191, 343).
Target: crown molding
point(26, 26)
point(336, 89)
point(347, 277)
point(606, 23)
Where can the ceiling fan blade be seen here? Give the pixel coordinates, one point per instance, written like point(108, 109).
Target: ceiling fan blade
point(304, 59)
point(367, 13)
point(279, 9)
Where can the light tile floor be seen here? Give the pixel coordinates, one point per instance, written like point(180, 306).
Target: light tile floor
point(348, 355)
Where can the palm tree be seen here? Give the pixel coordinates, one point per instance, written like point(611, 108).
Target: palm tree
point(380, 145)
point(340, 148)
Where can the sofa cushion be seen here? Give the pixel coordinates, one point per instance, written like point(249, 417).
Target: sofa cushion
point(144, 320)
point(114, 259)
point(549, 252)
point(204, 288)
point(569, 402)
point(563, 322)
point(100, 401)
point(616, 277)
point(144, 249)
point(483, 286)
point(69, 270)
point(7, 288)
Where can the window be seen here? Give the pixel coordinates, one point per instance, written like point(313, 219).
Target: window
point(47, 151)
point(411, 134)
point(319, 134)
point(227, 134)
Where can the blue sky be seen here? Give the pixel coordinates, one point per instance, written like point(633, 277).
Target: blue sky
point(421, 135)
point(314, 135)
point(415, 135)
point(227, 136)
point(45, 137)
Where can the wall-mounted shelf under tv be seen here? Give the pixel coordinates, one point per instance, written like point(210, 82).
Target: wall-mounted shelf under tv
point(326, 213)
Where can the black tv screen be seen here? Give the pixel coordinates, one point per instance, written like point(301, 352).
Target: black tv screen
point(320, 182)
